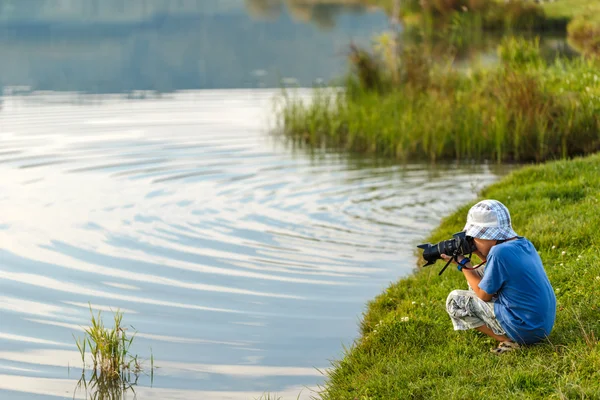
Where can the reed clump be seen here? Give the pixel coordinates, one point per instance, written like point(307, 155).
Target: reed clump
point(109, 349)
point(422, 108)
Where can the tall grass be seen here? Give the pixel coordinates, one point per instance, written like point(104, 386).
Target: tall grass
point(523, 109)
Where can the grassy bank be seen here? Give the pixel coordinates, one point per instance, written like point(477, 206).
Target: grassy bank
point(557, 11)
point(580, 19)
point(416, 107)
point(408, 348)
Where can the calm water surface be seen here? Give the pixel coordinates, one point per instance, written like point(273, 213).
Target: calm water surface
point(243, 264)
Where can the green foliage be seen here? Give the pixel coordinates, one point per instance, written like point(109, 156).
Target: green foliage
point(518, 53)
point(522, 109)
point(407, 348)
point(516, 15)
point(584, 34)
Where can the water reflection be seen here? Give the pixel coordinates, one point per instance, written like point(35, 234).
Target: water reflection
point(116, 46)
point(323, 14)
point(27, 386)
point(99, 388)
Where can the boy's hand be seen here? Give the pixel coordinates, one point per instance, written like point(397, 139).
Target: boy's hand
point(458, 259)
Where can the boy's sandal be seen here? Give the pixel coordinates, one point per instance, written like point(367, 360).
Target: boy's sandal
point(504, 347)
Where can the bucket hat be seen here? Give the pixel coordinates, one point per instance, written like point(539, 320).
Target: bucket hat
point(489, 219)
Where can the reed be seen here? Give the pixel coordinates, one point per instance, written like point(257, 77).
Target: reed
point(109, 349)
point(271, 396)
point(268, 396)
point(523, 109)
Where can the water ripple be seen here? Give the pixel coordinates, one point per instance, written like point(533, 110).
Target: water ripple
point(234, 257)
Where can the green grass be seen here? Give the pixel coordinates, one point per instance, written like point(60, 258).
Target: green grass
point(408, 350)
point(523, 109)
point(572, 8)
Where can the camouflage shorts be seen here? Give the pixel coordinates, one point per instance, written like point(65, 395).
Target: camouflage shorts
point(467, 311)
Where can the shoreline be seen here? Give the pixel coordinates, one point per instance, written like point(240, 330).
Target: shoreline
point(407, 348)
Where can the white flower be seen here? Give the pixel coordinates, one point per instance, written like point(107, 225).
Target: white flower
point(563, 253)
point(414, 302)
point(561, 264)
point(557, 290)
point(553, 247)
point(598, 278)
point(404, 319)
point(423, 304)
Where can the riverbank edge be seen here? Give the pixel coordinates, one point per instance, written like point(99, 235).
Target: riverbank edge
point(407, 348)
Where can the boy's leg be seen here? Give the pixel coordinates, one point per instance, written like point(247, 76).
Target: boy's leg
point(467, 311)
point(487, 330)
point(484, 328)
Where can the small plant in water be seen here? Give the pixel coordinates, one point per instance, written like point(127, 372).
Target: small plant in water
point(109, 348)
point(112, 362)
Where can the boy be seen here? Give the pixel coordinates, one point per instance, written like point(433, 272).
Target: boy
point(512, 300)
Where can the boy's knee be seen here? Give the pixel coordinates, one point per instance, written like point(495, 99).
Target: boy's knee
point(451, 301)
point(452, 295)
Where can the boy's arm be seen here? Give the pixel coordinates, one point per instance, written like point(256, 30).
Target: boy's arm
point(473, 278)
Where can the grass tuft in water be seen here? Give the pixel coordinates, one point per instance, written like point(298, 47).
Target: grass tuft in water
point(109, 349)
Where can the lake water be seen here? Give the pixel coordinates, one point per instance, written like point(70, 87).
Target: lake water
point(243, 264)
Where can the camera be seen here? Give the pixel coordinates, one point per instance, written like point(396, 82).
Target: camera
point(459, 244)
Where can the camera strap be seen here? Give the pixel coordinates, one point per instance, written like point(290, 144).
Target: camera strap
point(454, 258)
point(475, 267)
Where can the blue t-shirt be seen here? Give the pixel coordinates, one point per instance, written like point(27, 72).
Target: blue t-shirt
point(525, 304)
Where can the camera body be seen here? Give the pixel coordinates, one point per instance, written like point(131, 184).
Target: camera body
point(460, 244)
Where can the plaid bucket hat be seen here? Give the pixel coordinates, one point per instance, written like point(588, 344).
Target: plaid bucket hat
point(489, 219)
